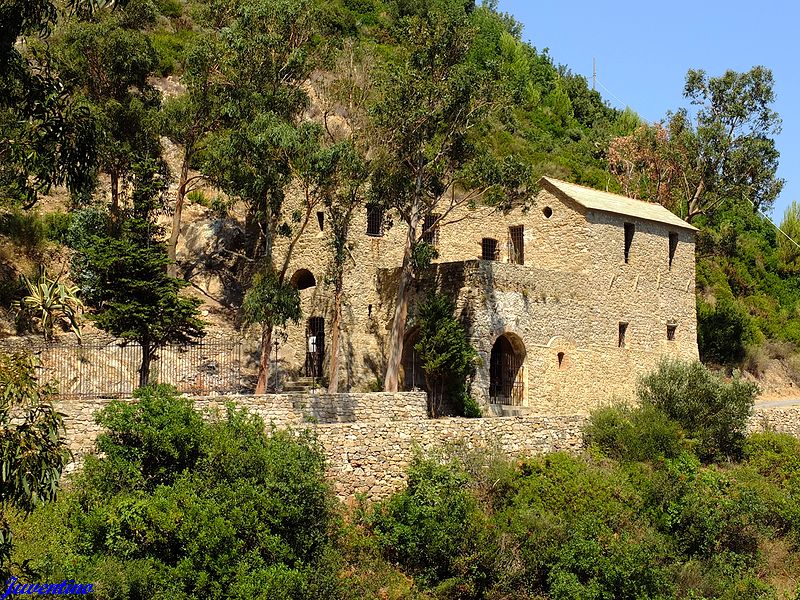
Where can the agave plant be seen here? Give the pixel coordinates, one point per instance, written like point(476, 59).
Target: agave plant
point(50, 301)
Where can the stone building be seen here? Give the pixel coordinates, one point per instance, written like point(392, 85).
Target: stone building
point(566, 302)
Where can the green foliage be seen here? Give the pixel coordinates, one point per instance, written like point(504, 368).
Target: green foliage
point(31, 229)
point(271, 302)
point(446, 355)
point(51, 302)
point(435, 529)
point(723, 331)
point(625, 433)
point(711, 413)
point(32, 448)
point(789, 238)
point(219, 510)
point(122, 274)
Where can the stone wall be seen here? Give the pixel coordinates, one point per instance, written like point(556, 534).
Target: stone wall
point(370, 439)
point(282, 410)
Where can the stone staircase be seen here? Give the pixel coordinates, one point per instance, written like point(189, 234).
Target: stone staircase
point(507, 410)
point(302, 385)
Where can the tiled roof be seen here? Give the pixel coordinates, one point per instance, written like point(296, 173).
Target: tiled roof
point(614, 203)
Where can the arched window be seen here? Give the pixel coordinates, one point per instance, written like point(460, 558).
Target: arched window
point(303, 279)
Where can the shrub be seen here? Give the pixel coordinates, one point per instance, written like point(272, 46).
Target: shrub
point(434, 528)
point(446, 354)
point(724, 331)
point(712, 413)
point(217, 510)
point(634, 434)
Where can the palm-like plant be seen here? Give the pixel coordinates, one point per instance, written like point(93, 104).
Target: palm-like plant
point(50, 301)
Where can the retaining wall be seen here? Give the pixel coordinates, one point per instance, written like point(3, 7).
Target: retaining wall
point(370, 439)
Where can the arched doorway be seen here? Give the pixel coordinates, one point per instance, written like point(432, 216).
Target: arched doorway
point(506, 373)
point(315, 351)
point(413, 374)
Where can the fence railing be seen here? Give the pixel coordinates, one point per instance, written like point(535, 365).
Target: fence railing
point(111, 369)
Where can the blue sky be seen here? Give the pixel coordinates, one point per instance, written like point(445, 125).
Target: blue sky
point(643, 50)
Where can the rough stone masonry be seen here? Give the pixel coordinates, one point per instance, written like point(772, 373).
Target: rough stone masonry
point(370, 439)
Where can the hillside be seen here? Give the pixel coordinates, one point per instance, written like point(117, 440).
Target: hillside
point(180, 97)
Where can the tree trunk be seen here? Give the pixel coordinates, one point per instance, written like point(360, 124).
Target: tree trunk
point(263, 365)
point(114, 195)
point(391, 382)
point(144, 370)
point(172, 268)
point(333, 377)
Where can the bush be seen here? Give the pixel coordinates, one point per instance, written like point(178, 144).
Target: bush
point(724, 331)
point(712, 413)
point(31, 229)
point(435, 529)
point(634, 434)
point(219, 510)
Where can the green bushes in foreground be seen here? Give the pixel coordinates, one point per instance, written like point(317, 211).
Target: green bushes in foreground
point(186, 508)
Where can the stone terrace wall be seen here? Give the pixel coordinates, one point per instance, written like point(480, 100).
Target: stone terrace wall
point(370, 439)
point(282, 410)
point(371, 458)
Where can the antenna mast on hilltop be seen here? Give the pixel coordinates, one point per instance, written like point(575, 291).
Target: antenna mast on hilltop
point(594, 72)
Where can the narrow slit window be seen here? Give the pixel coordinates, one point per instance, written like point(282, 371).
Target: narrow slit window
point(673, 246)
point(671, 328)
point(430, 229)
point(374, 220)
point(623, 333)
point(630, 228)
point(321, 220)
point(490, 249)
point(561, 363)
point(516, 244)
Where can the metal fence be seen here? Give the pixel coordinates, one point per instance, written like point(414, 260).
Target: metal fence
point(111, 369)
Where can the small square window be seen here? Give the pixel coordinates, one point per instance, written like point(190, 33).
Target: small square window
point(623, 332)
point(374, 220)
point(671, 328)
point(490, 249)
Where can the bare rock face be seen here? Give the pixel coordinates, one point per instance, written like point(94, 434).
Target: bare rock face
point(207, 253)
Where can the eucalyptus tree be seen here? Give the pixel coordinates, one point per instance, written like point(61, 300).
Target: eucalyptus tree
point(263, 146)
point(47, 134)
point(429, 158)
point(725, 151)
point(33, 451)
point(108, 60)
point(190, 118)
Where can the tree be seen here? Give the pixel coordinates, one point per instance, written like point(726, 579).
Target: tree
point(727, 154)
point(428, 160)
point(33, 452)
point(108, 61)
point(343, 193)
point(262, 147)
point(447, 357)
point(188, 119)
point(121, 268)
point(47, 134)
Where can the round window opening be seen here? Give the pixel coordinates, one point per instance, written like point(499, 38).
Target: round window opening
point(547, 212)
